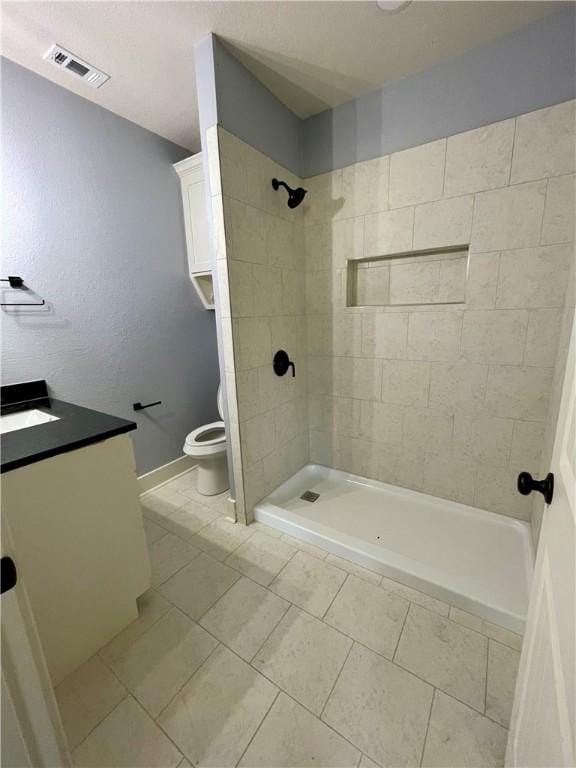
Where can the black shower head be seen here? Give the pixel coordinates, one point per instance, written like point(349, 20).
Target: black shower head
point(295, 196)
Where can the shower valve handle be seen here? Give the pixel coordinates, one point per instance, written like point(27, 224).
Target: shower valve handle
point(282, 362)
point(527, 484)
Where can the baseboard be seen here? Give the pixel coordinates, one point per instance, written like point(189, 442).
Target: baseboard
point(167, 472)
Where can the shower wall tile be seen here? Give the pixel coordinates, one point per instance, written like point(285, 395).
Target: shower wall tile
point(508, 218)
point(390, 232)
point(526, 446)
point(496, 491)
point(558, 226)
point(479, 160)
point(444, 223)
point(417, 174)
point(357, 377)
point(459, 387)
point(435, 336)
point(405, 382)
point(365, 187)
point(544, 144)
point(534, 277)
point(381, 423)
point(324, 198)
point(486, 438)
point(385, 336)
point(496, 336)
point(482, 280)
point(427, 429)
point(450, 475)
point(518, 392)
point(542, 338)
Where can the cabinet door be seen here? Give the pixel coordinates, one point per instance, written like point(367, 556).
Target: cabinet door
point(197, 236)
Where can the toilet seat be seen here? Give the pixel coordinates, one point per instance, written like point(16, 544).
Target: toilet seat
point(208, 440)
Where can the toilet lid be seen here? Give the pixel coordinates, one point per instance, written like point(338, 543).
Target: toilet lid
point(219, 401)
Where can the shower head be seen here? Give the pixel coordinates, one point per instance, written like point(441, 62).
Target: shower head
point(295, 196)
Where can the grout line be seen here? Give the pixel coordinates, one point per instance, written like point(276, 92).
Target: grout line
point(336, 595)
point(260, 724)
point(402, 632)
point(427, 727)
point(486, 675)
point(335, 682)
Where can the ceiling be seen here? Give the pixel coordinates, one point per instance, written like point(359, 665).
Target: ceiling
point(311, 54)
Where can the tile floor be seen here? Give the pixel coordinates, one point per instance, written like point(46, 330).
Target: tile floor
point(254, 649)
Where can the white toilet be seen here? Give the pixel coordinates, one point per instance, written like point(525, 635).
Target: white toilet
point(207, 446)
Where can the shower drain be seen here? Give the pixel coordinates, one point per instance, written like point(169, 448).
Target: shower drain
point(310, 496)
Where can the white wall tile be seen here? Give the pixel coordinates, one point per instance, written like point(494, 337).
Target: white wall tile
point(526, 451)
point(405, 382)
point(344, 416)
point(252, 342)
point(427, 429)
point(434, 336)
point(542, 338)
point(443, 223)
point(486, 438)
point(450, 475)
point(544, 144)
point(535, 277)
point(389, 232)
point(381, 422)
point(324, 198)
point(346, 335)
point(417, 174)
point(365, 187)
point(384, 335)
point(259, 437)
point(518, 392)
point(479, 160)
point(459, 387)
point(241, 282)
point(482, 280)
point(372, 286)
point(246, 233)
point(357, 377)
point(558, 226)
point(494, 336)
point(509, 217)
point(496, 490)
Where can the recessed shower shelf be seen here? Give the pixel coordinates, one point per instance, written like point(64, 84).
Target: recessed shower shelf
point(426, 277)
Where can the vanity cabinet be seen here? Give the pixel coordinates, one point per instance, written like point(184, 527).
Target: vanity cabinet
point(80, 546)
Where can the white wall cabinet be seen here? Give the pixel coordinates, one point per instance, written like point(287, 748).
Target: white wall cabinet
point(191, 175)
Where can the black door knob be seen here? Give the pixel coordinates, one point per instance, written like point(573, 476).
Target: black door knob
point(527, 484)
point(8, 575)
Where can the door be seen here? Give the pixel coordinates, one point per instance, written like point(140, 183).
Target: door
point(32, 733)
point(542, 731)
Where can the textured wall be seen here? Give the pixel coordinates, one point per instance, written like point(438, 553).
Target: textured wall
point(260, 264)
point(529, 69)
point(451, 400)
point(93, 222)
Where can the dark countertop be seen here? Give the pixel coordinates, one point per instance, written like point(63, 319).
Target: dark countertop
point(76, 427)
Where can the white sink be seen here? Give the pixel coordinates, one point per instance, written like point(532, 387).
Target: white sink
point(10, 422)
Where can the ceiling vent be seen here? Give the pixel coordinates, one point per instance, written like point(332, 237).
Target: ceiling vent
point(76, 66)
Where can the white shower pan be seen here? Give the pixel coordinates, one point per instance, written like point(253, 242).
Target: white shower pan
point(477, 560)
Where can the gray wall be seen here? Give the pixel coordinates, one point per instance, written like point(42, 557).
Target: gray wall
point(93, 222)
point(529, 69)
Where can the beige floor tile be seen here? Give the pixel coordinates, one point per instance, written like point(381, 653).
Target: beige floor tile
point(458, 736)
point(153, 531)
point(501, 635)
point(168, 555)
point(221, 537)
point(257, 527)
point(290, 737)
point(445, 654)
point(502, 672)
point(309, 583)
point(157, 504)
point(303, 656)
point(380, 708)
point(218, 711)
point(86, 697)
point(369, 614)
point(189, 519)
point(127, 738)
point(365, 762)
point(159, 662)
point(151, 607)
point(415, 596)
point(196, 587)
point(304, 546)
point(261, 557)
point(356, 570)
point(184, 764)
point(244, 617)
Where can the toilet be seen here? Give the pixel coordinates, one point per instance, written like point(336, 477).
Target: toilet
point(207, 446)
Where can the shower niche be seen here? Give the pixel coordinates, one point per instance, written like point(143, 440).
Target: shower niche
point(427, 277)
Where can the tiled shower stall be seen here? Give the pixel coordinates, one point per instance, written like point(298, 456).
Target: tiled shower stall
point(423, 298)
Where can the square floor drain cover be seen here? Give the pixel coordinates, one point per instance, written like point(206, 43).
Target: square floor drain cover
point(310, 496)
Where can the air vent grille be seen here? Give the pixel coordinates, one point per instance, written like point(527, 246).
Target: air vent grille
point(76, 66)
